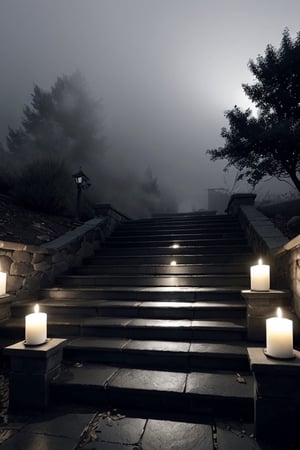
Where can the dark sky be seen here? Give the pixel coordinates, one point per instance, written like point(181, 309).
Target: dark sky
point(165, 70)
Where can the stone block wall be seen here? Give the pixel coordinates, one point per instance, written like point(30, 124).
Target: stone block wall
point(267, 241)
point(31, 267)
point(264, 238)
point(289, 259)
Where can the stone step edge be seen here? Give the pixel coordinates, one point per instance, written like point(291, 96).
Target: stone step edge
point(107, 304)
point(159, 276)
point(156, 289)
point(110, 384)
point(101, 345)
point(118, 322)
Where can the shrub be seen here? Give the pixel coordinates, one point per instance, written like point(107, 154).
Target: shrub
point(45, 186)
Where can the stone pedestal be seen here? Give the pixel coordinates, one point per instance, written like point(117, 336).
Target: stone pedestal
point(276, 396)
point(31, 370)
point(236, 200)
point(261, 306)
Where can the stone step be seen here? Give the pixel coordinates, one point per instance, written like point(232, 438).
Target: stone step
point(182, 250)
point(216, 280)
point(161, 355)
point(233, 329)
point(198, 221)
point(156, 310)
point(178, 228)
point(181, 258)
point(163, 242)
point(180, 232)
point(144, 294)
point(161, 269)
point(176, 237)
point(216, 393)
point(135, 328)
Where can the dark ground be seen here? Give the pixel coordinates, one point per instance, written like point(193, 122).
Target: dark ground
point(18, 224)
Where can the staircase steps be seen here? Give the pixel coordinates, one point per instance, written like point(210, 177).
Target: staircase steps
point(137, 309)
point(153, 280)
point(147, 334)
point(143, 293)
point(135, 328)
point(161, 269)
point(207, 392)
point(184, 356)
point(199, 222)
point(165, 259)
point(166, 234)
point(196, 242)
point(182, 250)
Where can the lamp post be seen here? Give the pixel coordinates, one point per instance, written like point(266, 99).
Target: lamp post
point(82, 181)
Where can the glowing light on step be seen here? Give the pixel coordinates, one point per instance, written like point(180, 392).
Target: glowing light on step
point(173, 263)
point(175, 246)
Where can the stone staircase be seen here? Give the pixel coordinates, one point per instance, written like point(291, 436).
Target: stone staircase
point(148, 333)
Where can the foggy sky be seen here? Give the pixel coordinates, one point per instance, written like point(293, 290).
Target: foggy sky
point(165, 70)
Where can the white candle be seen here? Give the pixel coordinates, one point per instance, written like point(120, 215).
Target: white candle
point(3, 283)
point(279, 336)
point(36, 327)
point(260, 277)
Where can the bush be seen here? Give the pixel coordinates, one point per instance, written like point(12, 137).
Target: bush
point(45, 186)
point(8, 172)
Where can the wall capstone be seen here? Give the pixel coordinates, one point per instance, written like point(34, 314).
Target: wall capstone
point(31, 267)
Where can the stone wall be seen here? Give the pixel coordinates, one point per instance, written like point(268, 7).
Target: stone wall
point(267, 241)
point(264, 238)
point(31, 267)
point(289, 258)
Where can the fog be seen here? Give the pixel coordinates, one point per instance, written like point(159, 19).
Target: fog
point(165, 71)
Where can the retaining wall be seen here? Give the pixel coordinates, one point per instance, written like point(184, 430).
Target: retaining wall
point(282, 254)
point(31, 267)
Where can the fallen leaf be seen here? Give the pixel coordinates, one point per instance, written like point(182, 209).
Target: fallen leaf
point(240, 379)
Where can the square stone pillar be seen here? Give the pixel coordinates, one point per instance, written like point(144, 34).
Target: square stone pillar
point(31, 370)
point(262, 305)
point(236, 200)
point(276, 396)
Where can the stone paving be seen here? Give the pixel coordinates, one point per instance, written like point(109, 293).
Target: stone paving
point(102, 430)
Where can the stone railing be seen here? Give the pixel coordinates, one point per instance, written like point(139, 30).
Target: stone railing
point(264, 238)
point(31, 267)
point(276, 380)
point(276, 249)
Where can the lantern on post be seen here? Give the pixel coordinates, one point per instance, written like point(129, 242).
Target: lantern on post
point(82, 181)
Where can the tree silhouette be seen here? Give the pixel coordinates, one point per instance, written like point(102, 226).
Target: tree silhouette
point(269, 144)
point(64, 122)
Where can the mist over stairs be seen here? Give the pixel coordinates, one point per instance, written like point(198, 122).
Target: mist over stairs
point(155, 318)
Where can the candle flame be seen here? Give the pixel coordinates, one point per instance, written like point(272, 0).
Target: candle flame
point(36, 308)
point(175, 245)
point(260, 262)
point(279, 312)
point(173, 263)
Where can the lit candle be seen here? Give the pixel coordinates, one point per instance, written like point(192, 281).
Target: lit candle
point(36, 327)
point(173, 263)
point(279, 336)
point(260, 277)
point(3, 283)
point(175, 245)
